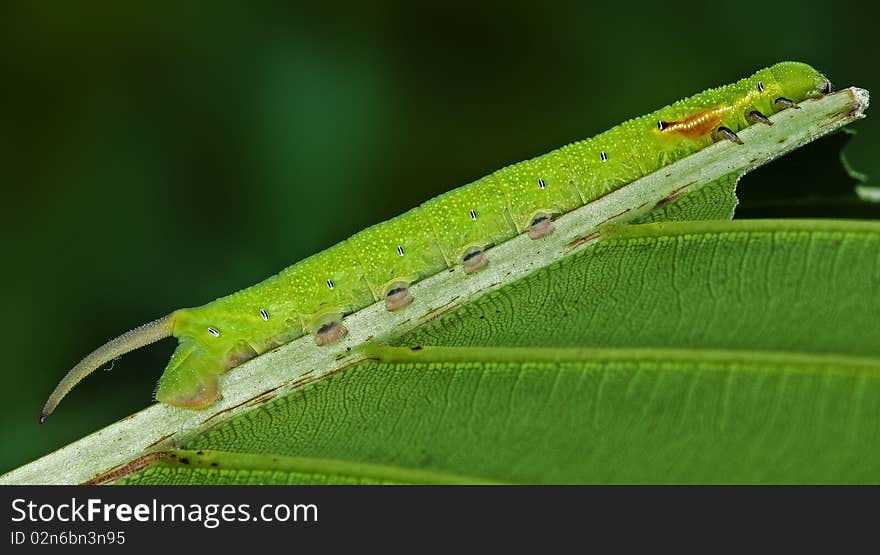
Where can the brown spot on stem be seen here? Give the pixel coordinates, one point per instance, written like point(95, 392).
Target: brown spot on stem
point(160, 440)
point(578, 241)
point(125, 469)
point(245, 402)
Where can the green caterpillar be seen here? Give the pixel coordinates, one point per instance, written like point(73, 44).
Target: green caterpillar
point(381, 263)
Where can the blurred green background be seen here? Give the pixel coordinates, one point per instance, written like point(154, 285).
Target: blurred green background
point(159, 157)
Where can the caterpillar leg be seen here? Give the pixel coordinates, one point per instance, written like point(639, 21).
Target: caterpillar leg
point(397, 297)
point(330, 333)
point(728, 135)
point(191, 379)
point(783, 102)
point(326, 327)
point(757, 117)
point(474, 260)
point(541, 226)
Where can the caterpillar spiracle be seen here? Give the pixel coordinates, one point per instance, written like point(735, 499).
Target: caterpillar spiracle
point(380, 264)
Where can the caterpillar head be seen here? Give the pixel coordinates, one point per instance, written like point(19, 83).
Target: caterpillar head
point(800, 81)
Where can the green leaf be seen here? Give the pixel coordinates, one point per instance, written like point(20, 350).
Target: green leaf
point(668, 306)
point(753, 394)
point(776, 285)
point(567, 416)
point(716, 201)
